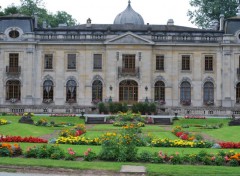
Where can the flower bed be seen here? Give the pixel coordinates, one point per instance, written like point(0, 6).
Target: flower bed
point(229, 144)
point(194, 117)
point(4, 122)
point(10, 149)
point(180, 143)
point(44, 122)
point(77, 130)
point(22, 139)
point(62, 115)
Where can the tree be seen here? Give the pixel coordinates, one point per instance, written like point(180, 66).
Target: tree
point(32, 7)
point(206, 11)
point(10, 10)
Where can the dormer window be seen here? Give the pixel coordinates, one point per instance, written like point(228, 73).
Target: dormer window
point(14, 34)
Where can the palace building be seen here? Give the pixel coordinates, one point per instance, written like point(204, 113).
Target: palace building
point(69, 68)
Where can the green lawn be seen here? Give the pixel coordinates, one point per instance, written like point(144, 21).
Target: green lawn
point(152, 169)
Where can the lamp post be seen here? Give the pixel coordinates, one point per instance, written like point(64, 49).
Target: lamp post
point(82, 113)
point(176, 116)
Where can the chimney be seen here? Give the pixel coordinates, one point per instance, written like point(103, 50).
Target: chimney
point(35, 20)
point(88, 22)
point(221, 22)
point(170, 22)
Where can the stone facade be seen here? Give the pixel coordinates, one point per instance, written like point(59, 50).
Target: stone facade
point(118, 55)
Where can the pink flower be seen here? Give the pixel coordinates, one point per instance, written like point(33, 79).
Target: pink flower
point(71, 153)
point(89, 149)
point(177, 153)
point(171, 157)
point(85, 153)
point(213, 158)
point(226, 158)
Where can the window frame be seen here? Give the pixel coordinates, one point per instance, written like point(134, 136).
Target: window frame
point(97, 61)
point(13, 90)
point(159, 91)
point(72, 57)
point(208, 93)
point(208, 63)
point(97, 91)
point(48, 61)
point(238, 93)
point(186, 63)
point(160, 63)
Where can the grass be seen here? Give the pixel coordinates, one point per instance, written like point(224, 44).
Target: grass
point(152, 169)
point(227, 133)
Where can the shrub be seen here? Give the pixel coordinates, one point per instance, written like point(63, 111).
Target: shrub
point(102, 108)
point(145, 156)
point(71, 155)
point(89, 155)
point(120, 147)
point(44, 151)
point(233, 163)
point(175, 159)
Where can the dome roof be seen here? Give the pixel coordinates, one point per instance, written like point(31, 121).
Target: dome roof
point(129, 16)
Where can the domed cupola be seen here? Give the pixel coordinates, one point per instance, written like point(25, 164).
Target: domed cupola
point(129, 16)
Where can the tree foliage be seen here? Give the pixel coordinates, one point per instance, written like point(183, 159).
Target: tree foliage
point(32, 7)
point(205, 11)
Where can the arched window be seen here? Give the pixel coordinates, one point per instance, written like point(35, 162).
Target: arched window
point(159, 91)
point(71, 91)
point(48, 90)
point(128, 91)
point(238, 93)
point(208, 93)
point(13, 90)
point(97, 90)
point(185, 93)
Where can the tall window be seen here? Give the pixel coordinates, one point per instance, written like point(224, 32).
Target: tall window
point(208, 93)
point(48, 90)
point(128, 91)
point(238, 93)
point(159, 90)
point(71, 91)
point(185, 93)
point(71, 61)
point(208, 63)
point(13, 62)
point(13, 90)
point(97, 90)
point(185, 62)
point(97, 61)
point(128, 63)
point(160, 62)
point(48, 61)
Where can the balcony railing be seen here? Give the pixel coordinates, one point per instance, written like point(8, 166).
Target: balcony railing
point(13, 70)
point(123, 72)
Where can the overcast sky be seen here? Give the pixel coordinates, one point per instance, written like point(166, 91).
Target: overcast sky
point(104, 11)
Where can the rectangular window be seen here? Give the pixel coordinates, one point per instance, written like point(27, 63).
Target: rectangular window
point(13, 59)
point(185, 62)
point(48, 61)
point(71, 61)
point(97, 61)
point(208, 63)
point(160, 62)
point(128, 63)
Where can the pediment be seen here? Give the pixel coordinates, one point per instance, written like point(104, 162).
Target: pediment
point(129, 38)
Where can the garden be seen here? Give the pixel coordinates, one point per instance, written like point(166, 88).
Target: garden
point(128, 138)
